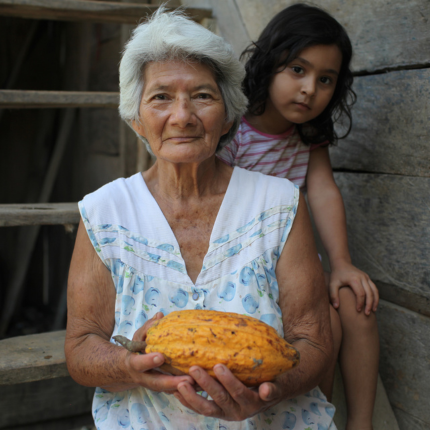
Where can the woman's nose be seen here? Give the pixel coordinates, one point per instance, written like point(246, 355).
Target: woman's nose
point(182, 113)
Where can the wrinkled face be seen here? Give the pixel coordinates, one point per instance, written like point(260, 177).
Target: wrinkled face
point(301, 91)
point(182, 113)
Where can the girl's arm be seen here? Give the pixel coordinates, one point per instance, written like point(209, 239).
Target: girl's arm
point(328, 211)
point(91, 358)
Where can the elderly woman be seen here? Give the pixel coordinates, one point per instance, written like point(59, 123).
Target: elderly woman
point(193, 233)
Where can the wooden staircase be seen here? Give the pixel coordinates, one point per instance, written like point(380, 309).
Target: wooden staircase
point(39, 357)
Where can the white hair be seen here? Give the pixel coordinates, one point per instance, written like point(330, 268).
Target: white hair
point(170, 36)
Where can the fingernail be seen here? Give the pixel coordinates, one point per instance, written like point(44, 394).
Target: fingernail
point(219, 369)
point(195, 373)
point(269, 395)
point(157, 359)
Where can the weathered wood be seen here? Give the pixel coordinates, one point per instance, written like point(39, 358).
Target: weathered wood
point(388, 228)
point(408, 422)
point(86, 10)
point(391, 120)
point(23, 52)
point(20, 99)
point(32, 358)
point(51, 404)
point(384, 34)
point(405, 359)
point(407, 299)
point(230, 24)
point(38, 214)
point(79, 422)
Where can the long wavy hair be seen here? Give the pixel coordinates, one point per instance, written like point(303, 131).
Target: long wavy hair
point(291, 31)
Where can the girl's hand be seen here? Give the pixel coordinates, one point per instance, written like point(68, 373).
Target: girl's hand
point(232, 401)
point(364, 289)
point(141, 366)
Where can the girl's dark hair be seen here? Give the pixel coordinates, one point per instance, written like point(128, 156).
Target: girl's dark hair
point(293, 29)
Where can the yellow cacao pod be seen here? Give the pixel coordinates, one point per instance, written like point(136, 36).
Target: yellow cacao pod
point(251, 349)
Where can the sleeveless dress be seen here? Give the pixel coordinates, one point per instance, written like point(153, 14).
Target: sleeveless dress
point(134, 240)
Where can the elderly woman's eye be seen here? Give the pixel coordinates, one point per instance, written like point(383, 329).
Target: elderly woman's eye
point(204, 96)
point(160, 97)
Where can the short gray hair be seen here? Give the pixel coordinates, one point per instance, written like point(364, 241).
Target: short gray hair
point(170, 36)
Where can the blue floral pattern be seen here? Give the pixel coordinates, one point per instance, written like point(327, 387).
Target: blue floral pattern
point(238, 275)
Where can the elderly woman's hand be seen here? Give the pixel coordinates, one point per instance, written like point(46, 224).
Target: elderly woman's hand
point(141, 366)
point(232, 400)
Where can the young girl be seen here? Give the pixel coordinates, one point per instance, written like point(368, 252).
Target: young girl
point(298, 83)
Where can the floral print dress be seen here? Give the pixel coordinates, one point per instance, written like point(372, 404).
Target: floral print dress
point(134, 240)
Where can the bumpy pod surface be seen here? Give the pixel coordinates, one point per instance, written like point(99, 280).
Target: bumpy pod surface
point(251, 349)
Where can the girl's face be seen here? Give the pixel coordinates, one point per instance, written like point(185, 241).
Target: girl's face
point(301, 91)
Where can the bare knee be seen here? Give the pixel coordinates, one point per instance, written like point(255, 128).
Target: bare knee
point(349, 317)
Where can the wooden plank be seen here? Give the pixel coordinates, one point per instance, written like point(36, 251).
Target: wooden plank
point(407, 421)
point(230, 24)
point(32, 358)
point(51, 404)
point(407, 299)
point(38, 214)
point(383, 34)
point(86, 10)
point(389, 228)
point(390, 125)
point(22, 99)
point(405, 358)
point(75, 422)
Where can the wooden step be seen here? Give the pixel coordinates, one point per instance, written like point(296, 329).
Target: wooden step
point(32, 358)
point(38, 214)
point(86, 10)
point(22, 99)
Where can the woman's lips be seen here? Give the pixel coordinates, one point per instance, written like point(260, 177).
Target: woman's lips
point(182, 139)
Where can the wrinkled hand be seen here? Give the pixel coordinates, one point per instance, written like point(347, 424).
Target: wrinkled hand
point(140, 366)
point(232, 401)
point(364, 289)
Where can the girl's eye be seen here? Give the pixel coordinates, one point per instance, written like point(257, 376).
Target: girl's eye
point(297, 69)
point(325, 80)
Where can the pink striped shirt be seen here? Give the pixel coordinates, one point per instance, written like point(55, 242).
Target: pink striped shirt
point(283, 155)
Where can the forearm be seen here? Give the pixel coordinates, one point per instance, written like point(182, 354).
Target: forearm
point(95, 362)
point(330, 220)
point(314, 359)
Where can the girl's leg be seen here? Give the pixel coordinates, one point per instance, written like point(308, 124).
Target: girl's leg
point(359, 360)
point(326, 384)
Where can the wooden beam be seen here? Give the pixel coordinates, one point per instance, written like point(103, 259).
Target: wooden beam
point(389, 229)
point(22, 99)
point(50, 404)
point(38, 214)
point(32, 358)
point(404, 361)
point(383, 34)
point(402, 297)
point(86, 10)
point(390, 131)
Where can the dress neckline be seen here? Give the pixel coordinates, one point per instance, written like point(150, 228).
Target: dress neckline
point(218, 228)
